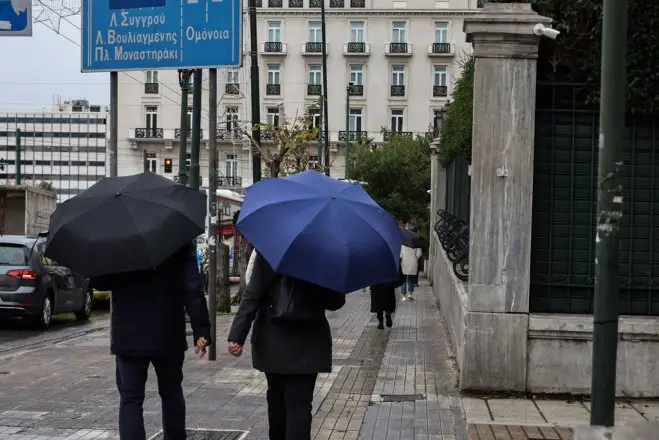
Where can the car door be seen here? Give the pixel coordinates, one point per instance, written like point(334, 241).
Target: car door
point(60, 278)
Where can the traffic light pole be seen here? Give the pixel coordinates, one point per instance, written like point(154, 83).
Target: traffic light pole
point(348, 89)
point(18, 157)
point(184, 82)
point(212, 207)
point(196, 129)
point(256, 93)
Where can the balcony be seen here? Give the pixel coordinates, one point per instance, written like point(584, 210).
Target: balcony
point(275, 3)
point(440, 50)
point(397, 91)
point(353, 48)
point(315, 3)
point(232, 89)
point(149, 133)
point(273, 48)
point(388, 135)
point(352, 135)
point(357, 3)
point(398, 49)
point(228, 135)
point(229, 182)
point(337, 4)
point(314, 89)
point(268, 135)
point(296, 3)
point(356, 90)
point(313, 48)
point(151, 88)
point(439, 91)
point(177, 133)
point(273, 89)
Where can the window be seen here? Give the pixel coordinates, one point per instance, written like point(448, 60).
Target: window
point(439, 76)
point(273, 74)
point(398, 75)
point(441, 32)
point(314, 113)
point(357, 74)
point(151, 76)
point(16, 255)
point(357, 32)
point(274, 31)
point(355, 119)
point(272, 116)
point(397, 121)
point(314, 163)
point(399, 32)
point(150, 162)
point(230, 165)
point(232, 76)
point(315, 73)
point(151, 116)
point(226, 210)
point(188, 161)
point(232, 118)
point(315, 32)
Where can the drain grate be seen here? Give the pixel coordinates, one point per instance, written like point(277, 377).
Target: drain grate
point(209, 434)
point(402, 397)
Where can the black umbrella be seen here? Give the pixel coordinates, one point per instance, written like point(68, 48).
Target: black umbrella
point(125, 224)
point(412, 239)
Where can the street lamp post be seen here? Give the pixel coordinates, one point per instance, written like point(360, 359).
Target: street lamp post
point(347, 137)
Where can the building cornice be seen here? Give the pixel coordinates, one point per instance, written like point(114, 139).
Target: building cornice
point(444, 13)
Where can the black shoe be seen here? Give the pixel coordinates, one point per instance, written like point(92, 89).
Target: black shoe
point(389, 321)
point(380, 325)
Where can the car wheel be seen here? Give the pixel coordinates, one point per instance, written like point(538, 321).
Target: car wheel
point(45, 318)
point(86, 311)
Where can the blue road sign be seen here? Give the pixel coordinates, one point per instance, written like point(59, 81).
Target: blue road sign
point(119, 35)
point(15, 18)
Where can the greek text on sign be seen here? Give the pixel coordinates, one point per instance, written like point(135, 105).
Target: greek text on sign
point(120, 35)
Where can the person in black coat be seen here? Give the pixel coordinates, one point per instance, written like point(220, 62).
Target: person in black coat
point(383, 302)
point(148, 327)
point(290, 353)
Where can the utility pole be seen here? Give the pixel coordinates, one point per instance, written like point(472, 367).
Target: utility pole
point(347, 139)
point(196, 129)
point(184, 82)
point(321, 133)
point(212, 207)
point(609, 212)
point(325, 94)
point(114, 123)
point(18, 157)
point(255, 82)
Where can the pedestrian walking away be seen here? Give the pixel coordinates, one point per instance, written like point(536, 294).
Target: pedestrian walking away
point(148, 327)
point(291, 342)
point(409, 263)
point(383, 301)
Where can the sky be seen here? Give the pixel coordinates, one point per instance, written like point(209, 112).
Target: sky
point(35, 70)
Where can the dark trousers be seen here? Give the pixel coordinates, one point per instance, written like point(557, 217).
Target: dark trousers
point(290, 398)
point(132, 373)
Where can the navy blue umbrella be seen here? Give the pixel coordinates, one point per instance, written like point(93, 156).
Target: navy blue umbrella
point(321, 230)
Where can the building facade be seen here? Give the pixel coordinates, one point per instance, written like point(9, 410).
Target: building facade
point(397, 61)
point(64, 148)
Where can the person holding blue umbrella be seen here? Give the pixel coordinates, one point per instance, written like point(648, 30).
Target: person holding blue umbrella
point(315, 239)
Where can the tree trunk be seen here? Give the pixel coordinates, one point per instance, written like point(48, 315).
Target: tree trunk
point(244, 252)
point(222, 289)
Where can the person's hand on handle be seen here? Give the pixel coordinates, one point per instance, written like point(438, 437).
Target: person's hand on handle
point(200, 348)
point(235, 349)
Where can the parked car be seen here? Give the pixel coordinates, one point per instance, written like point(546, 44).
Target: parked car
point(35, 287)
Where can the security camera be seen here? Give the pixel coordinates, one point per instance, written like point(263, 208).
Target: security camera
point(541, 29)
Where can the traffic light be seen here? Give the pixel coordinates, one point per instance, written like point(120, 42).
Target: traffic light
point(168, 165)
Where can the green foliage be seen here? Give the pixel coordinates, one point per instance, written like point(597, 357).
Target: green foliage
point(397, 176)
point(457, 126)
point(48, 186)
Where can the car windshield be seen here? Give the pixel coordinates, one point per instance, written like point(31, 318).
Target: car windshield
point(13, 254)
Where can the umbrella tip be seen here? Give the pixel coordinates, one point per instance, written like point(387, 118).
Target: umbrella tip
point(117, 194)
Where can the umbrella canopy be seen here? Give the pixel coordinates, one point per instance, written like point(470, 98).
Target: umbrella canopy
point(124, 224)
point(318, 229)
point(412, 239)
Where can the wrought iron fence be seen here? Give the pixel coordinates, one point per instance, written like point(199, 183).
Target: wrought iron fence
point(565, 199)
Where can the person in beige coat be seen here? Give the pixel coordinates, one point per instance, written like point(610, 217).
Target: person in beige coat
point(409, 265)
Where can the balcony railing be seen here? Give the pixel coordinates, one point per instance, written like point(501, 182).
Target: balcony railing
point(356, 90)
point(275, 3)
point(296, 3)
point(273, 47)
point(357, 3)
point(177, 133)
point(315, 3)
point(355, 47)
point(337, 3)
point(441, 48)
point(353, 135)
point(314, 89)
point(313, 47)
point(232, 89)
point(268, 135)
point(229, 181)
point(258, 3)
point(397, 90)
point(149, 133)
point(273, 89)
point(390, 134)
point(439, 91)
point(151, 87)
point(398, 48)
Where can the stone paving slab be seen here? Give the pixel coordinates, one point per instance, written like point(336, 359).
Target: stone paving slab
point(517, 432)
